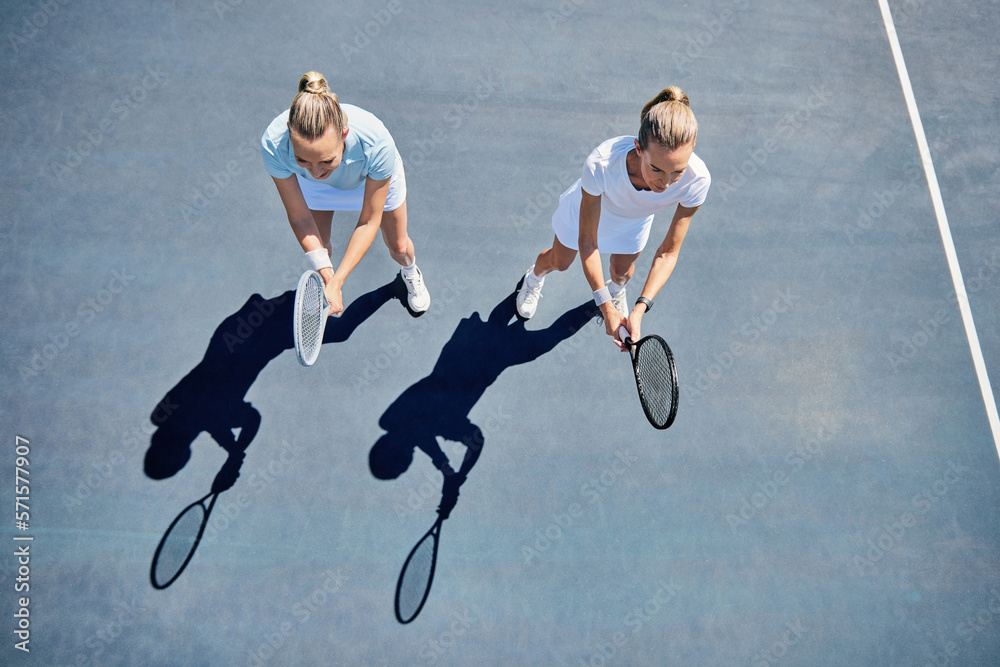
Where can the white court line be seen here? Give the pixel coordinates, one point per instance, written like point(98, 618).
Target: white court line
point(942, 219)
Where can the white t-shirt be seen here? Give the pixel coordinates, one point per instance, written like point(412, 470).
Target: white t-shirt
point(605, 174)
point(626, 213)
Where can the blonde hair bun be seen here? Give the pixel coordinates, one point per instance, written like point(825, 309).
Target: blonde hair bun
point(315, 108)
point(668, 120)
point(313, 82)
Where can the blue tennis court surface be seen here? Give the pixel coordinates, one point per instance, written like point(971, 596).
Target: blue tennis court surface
point(828, 494)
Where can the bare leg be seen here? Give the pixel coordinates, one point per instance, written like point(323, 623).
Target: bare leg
point(401, 249)
point(622, 267)
point(556, 258)
point(395, 237)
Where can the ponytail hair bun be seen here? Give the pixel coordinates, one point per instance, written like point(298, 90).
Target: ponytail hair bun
point(315, 108)
point(668, 120)
point(313, 82)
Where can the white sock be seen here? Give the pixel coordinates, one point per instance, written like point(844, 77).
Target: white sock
point(410, 270)
point(533, 280)
point(615, 288)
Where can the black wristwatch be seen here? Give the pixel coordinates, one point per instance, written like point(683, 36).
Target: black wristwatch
point(646, 302)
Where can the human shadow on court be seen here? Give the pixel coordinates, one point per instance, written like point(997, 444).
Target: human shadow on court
point(211, 398)
point(439, 404)
point(472, 360)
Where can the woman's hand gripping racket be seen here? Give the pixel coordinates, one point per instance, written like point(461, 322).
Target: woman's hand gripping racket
point(655, 377)
point(311, 311)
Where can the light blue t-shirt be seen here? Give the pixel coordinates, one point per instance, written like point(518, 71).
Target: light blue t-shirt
point(369, 151)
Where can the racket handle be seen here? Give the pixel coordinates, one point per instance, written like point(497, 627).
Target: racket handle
point(623, 335)
point(326, 306)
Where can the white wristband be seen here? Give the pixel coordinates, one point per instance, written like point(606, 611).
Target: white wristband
point(602, 295)
point(320, 259)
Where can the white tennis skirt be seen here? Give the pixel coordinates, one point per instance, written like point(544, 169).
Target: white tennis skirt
point(322, 197)
point(615, 234)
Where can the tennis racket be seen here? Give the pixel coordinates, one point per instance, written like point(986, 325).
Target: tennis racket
point(418, 574)
point(180, 541)
point(311, 310)
point(655, 378)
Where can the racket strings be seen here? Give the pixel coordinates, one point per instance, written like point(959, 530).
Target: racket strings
point(657, 387)
point(310, 318)
point(415, 580)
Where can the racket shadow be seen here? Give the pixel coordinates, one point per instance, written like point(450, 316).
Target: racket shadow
point(211, 399)
point(438, 406)
point(177, 547)
point(417, 575)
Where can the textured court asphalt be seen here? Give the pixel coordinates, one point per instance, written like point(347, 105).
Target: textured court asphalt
point(828, 494)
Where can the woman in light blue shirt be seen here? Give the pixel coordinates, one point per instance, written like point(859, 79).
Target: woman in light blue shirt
point(326, 157)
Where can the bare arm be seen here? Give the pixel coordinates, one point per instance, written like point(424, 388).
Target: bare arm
point(305, 230)
point(590, 257)
point(300, 218)
point(367, 228)
point(663, 264)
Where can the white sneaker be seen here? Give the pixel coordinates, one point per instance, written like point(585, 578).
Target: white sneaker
point(417, 295)
point(621, 302)
point(528, 296)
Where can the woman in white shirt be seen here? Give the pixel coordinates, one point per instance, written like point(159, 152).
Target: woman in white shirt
point(625, 181)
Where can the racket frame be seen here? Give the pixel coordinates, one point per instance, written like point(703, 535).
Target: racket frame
point(633, 349)
point(297, 323)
